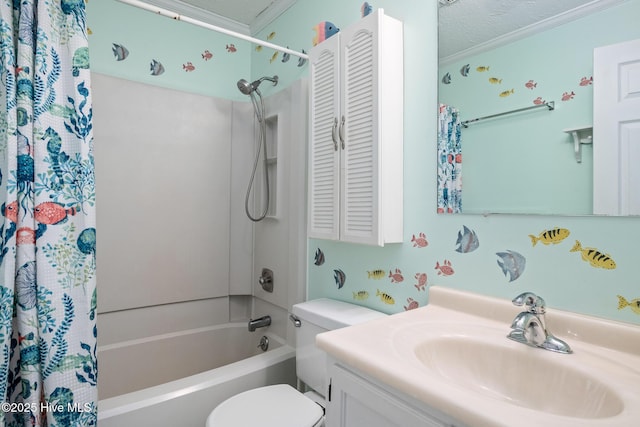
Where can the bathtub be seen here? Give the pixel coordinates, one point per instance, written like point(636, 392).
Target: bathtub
point(177, 379)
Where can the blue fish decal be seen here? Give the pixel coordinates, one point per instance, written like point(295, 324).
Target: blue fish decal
point(467, 241)
point(324, 30)
point(339, 277)
point(156, 68)
point(512, 264)
point(446, 79)
point(365, 9)
point(286, 56)
point(120, 52)
point(302, 61)
point(319, 258)
point(465, 70)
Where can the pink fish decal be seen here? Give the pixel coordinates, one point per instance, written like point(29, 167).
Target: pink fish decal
point(567, 96)
point(445, 269)
point(412, 304)
point(51, 213)
point(531, 84)
point(206, 55)
point(539, 101)
point(396, 277)
point(10, 211)
point(420, 241)
point(231, 48)
point(586, 81)
point(422, 281)
point(188, 67)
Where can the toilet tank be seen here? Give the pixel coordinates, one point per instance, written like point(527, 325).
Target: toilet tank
point(317, 316)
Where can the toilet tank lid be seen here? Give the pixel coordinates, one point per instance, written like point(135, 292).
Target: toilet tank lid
point(332, 314)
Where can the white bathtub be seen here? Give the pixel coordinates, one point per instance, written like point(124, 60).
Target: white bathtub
point(177, 379)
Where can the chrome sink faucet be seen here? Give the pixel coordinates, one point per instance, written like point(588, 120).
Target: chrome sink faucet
point(529, 327)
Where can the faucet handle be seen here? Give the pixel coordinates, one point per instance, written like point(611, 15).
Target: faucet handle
point(533, 302)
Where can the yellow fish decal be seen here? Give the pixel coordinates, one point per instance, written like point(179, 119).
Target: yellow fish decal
point(482, 69)
point(553, 236)
point(634, 304)
point(376, 274)
point(385, 298)
point(259, 48)
point(495, 80)
point(271, 35)
point(506, 93)
point(361, 295)
point(594, 257)
point(274, 57)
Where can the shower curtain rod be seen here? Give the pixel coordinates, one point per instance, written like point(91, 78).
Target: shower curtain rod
point(550, 105)
point(178, 17)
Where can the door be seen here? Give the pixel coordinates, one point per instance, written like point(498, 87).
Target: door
point(616, 129)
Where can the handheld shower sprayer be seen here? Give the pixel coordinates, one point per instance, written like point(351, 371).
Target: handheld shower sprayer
point(247, 88)
point(251, 89)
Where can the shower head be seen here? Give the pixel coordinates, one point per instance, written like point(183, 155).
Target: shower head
point(246, 87)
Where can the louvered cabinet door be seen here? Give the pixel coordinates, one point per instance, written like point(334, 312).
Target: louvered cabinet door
point(324, 154)
point(360, 176)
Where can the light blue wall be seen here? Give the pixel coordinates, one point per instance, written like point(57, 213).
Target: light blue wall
point(172, 43)
point(525, 162)
point(562, 277)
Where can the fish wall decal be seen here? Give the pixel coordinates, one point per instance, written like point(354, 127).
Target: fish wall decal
point(550, 237)
point(339, 277)
point(594, 257)
point(512, 264)
point(467, 240)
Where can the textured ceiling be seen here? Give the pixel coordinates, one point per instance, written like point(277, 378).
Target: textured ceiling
point(467, 23)
point(462, 23)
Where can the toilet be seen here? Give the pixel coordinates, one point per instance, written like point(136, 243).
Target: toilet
point(282, 405)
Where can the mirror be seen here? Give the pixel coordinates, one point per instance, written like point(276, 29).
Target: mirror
point(509, 56)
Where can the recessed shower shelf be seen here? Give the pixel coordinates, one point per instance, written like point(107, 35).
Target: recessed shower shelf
point(580, 135)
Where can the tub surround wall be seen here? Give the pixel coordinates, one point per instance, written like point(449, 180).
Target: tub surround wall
point(164, 167)
point(164, 211)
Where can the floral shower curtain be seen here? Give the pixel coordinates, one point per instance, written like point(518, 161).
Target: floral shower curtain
point(48, 366)
point(449, 161)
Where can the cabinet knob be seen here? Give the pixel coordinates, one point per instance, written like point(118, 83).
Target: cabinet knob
point(341, 133)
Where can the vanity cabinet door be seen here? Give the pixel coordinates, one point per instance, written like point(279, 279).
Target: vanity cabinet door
point(356, 402)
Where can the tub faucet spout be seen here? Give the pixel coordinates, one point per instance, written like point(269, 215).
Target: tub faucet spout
point(260, 322)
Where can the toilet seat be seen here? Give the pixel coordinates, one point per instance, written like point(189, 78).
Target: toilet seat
point(273, 406)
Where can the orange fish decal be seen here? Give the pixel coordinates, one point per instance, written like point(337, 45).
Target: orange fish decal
point(10, 211)
point(51, 213)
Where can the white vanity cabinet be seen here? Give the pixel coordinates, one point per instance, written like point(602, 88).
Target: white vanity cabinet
point(356, 133)
point(354, 400)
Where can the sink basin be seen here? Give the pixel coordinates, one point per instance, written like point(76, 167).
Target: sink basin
point(523, 376)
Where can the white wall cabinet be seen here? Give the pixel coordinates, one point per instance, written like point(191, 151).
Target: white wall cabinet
point(356, 401)
point(356, 133)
